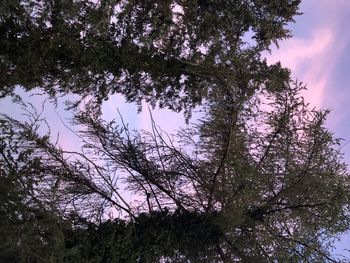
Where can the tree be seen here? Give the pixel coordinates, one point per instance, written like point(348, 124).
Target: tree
point(31, 228)
point(258, 179)
point(173, 53)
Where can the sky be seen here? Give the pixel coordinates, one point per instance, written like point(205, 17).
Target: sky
point(318, 55)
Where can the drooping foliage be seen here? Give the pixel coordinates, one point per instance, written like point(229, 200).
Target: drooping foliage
point(31, 230)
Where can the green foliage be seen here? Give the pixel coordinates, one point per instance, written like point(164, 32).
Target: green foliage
point(151, 238)
point(175, 53)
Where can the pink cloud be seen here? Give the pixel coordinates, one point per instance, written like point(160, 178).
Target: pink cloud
point(313, 59)
point(309, 61)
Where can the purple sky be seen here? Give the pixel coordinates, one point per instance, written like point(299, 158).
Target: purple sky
point(318, 55)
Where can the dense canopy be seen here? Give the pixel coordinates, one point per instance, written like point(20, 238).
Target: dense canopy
point(173, 53)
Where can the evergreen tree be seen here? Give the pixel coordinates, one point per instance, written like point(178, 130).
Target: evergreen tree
point(257, 179)
point(174, 53)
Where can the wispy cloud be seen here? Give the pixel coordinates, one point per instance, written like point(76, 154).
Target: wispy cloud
point(313, 57)
point(308, 60)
